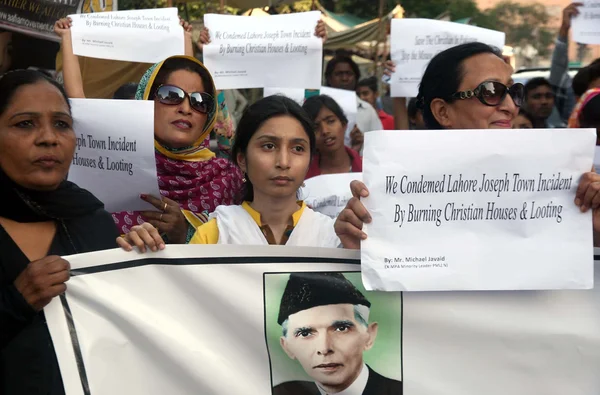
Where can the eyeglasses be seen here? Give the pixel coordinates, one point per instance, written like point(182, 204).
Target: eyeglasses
point(492, 93)
point(171, 95)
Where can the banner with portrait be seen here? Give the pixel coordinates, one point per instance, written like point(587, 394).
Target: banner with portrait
point(283, 320)
point(37, 17)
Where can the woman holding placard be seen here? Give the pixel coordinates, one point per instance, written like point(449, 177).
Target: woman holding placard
point(193, 182)
point(42, 218)
point(274, 146)
point(332, 157)
point(465, 87)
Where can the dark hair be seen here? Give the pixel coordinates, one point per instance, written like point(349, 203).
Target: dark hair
point(10, 82)
point(590, 114)
point(412, 107)
point(176, 64)
point(584, 77)
point(126, 91)
point(444, 75)
point(370, 83)
point(313, 106)
point(535, 83)
point(257, 114)
point(337, 60)
point(525, 114)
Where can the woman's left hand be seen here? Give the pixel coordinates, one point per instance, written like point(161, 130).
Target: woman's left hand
point(321, 31)
point(187, 28)
point(588, 196)
point(169, 220)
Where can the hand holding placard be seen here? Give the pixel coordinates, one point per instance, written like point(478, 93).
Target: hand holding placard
point(505, 201)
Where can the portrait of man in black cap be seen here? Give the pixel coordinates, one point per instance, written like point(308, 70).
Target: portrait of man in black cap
point(325, 327)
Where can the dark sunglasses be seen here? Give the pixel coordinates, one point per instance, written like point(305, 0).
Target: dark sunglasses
point(171, 95)
point(492, 93)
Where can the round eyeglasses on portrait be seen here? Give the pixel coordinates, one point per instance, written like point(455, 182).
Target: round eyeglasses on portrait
point(172, 95)
point(492, 93)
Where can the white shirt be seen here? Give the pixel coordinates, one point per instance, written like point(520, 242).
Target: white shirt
point(356, 388)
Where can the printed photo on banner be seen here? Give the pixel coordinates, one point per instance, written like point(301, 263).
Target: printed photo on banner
point(414, 42)
point(326, 334)
point(496, 202)
point(243, 47)
point(145, 36)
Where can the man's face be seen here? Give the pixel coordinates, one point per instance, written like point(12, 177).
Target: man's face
point(343, 77)
point(329, 343)
point(366, 94)
point(540, 102)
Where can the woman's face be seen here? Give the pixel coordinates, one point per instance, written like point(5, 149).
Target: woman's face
point(277, 158)
point(522, 122)
point(330, 132)
point(471, 113)
point(37, 141)
point(179, 126)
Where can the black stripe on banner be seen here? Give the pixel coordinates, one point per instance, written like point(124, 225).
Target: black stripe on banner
point(76, 348)
point(209, 261)
point(597, 257)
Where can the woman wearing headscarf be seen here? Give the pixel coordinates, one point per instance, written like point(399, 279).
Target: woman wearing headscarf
point(42, 218)
point(193, 182)
point(465, 87)
point(587, 112)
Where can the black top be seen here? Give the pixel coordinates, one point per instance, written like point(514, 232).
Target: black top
point(28, 364)
point(376, 385)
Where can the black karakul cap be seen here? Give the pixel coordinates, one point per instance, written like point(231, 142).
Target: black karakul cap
point(307, 290)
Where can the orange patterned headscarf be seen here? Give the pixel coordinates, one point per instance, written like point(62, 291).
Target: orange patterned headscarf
point(585, 99)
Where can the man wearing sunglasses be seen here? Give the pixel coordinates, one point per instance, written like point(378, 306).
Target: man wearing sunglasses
point(539, 103)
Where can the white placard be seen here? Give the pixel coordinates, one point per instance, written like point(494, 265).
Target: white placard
point(114, 158)
point(202, 320)
point(296, 94)
point(586, 25)
point(278, 51)
point(146, 36)
point(477, 210)
point(348, 101)
point(414, 42)
point(329, 193)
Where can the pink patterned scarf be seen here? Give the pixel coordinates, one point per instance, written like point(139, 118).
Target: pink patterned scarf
point(199, 187)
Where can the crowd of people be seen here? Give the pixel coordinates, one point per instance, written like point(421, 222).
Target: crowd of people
point(247, 193)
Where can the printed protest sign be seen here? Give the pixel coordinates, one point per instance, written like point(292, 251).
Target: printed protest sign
point(115, 152)
point(146, 36)
point(477, 210)
point(184, 320)
point(278, 51)
point(329, 193)
point(586, 25)
point(414, 42)
point(37, 17)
